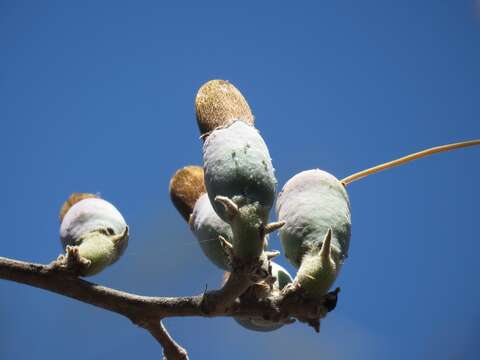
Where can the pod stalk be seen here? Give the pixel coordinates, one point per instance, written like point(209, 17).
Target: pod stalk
point(403, 160)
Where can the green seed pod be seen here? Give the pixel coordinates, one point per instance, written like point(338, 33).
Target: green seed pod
point(311, 203)
point(207, 227)
point(237, 165)
point(96, 227)
point(282, 278)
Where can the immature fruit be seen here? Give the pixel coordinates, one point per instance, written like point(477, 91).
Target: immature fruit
point(96, 227)
point(311, 203)
point(237, 165)
point(282, 278)
point(207, 227)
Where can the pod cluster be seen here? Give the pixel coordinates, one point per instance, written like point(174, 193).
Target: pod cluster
point(227, 202)
point(210, 230)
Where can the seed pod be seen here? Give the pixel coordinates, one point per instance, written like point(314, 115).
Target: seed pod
point(96, 227)
point(207, 227)
point(237, 165)
point(311, 203)
point(282, 278)
point(186, 186)
point(217, 104)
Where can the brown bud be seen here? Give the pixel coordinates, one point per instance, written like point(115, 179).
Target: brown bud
point(218, 103)
point(186, 186)
point(72, 200)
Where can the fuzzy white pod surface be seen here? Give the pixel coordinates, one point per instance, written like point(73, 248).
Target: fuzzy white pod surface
point(237, 165)
point(282, 279)
point(310, 203)
point(98, 229)
point(207, 226)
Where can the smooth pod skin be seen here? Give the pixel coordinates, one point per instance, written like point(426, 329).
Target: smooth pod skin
point(310, 203)
point(207, 226)
point(99, 231)
point(237, 165)
point(282, 279)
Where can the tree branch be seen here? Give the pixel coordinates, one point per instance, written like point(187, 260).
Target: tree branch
point(146, 311)
point(171, 350)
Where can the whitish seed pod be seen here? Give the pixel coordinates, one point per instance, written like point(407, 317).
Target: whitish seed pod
point(186, 186)
point(282, 278)
point(237, 165)
point(217, 104)
point(188, 194)
point(311, 203)
point(96, 227)
point(207, 227)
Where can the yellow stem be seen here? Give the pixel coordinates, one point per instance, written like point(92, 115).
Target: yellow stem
point(403, 160)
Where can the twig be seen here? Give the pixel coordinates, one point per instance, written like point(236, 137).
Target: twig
point(171, 350)
point(146, 311)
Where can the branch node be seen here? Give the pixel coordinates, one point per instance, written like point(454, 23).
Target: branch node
point(71, 261)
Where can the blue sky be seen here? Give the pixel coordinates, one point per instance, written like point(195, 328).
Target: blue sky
point(98, 97)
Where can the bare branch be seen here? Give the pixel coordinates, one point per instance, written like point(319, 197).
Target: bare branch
point(138, 307)
point(171, 350)
point(146, 311)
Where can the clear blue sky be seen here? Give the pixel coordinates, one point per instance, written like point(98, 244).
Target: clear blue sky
point(97, 96)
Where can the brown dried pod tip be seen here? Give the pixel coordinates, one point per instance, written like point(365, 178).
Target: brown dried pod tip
point(218, 103)
point(186, 186)
point(72, 200)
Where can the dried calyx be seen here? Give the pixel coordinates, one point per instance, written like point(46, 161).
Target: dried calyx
point(217, 104)
point(186, 186)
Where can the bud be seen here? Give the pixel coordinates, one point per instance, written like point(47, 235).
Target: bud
point(311, 203)
point(96, 227)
